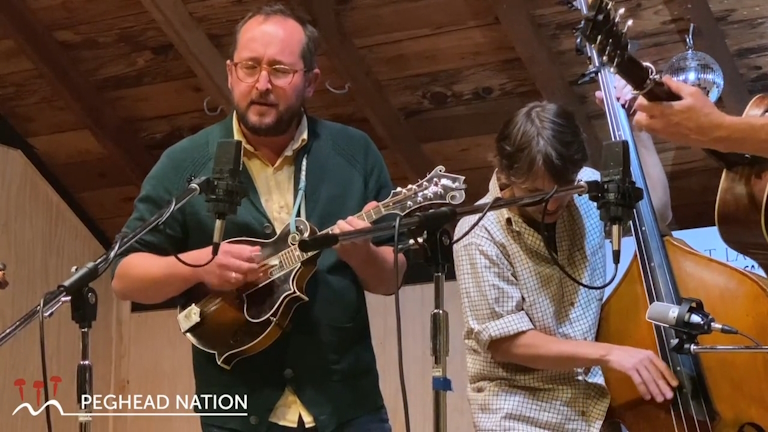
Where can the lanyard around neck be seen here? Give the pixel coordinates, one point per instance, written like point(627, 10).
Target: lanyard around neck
point(300, 200)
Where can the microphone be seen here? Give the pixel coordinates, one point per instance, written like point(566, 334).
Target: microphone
point(226, 190)
point(617, 194)
point(687, 318)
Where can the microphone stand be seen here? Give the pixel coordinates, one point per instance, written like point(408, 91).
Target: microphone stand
point(83, 298)
point(687, 343)
point(438, 245)
point(686, 339)
point(695, 348)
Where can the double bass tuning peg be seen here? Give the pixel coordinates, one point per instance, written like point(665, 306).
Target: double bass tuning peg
point(588, 77)
point(570, 4)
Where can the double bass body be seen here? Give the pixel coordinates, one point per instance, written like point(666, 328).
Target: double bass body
point(734, 384)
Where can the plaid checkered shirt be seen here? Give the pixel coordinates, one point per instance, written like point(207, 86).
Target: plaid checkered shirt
point(509, 285)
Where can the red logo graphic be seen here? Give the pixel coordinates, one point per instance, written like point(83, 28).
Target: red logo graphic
point(37, 385)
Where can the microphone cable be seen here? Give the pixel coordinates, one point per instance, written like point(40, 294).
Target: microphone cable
point(398, 317)
point(399, 324)
point(557, 262)
point(41, 320)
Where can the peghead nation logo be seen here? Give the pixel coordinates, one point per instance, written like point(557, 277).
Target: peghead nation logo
point(137, 405)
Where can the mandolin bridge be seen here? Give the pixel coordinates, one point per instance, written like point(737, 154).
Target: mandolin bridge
point(188, 318)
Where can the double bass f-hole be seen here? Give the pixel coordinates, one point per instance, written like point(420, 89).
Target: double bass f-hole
point(750, 427)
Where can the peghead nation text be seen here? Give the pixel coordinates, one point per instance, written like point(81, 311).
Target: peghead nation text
point(162, 402)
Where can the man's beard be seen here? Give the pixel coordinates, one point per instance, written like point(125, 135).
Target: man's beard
point(284, 121)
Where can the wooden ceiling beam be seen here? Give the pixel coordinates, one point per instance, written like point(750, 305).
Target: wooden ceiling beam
point(538, 57)
point(45, 52)
point(190, 40)
point(708, 37)
point(367, 90)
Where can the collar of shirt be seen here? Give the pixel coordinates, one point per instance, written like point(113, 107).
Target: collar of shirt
point(299, 139)
point(508, 217)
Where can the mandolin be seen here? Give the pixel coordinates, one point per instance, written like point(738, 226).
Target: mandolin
point(239, 323)
point(740, 208)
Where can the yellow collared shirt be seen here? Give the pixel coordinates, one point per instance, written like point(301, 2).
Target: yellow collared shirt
point(275, 186)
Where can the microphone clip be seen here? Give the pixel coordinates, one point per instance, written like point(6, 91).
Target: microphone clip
point(687, 333)
point(616, 194)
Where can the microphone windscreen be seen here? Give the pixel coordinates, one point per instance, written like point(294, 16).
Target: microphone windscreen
point(662, 313)
point(228, 159)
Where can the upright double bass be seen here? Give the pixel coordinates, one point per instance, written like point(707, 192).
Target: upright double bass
point(718, 391)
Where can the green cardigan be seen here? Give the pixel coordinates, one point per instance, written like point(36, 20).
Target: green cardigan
point(327, 356)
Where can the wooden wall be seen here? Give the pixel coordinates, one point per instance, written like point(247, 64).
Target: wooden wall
point(40, 240)
point(144, 353)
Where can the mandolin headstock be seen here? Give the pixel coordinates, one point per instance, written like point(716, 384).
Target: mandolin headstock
point(438, 187)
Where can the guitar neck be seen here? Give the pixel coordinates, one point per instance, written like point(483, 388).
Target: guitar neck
point(639, 77)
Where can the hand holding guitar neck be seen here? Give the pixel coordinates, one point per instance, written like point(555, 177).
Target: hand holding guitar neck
point(689, 118)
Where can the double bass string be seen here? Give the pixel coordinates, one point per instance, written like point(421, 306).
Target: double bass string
point(621, 129)
point(619, 132)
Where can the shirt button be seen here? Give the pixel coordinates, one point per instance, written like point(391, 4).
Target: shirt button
point(254, 420)
point(288, 374)
point(267, 228)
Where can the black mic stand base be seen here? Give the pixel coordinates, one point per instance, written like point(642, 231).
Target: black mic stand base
point(438, 253)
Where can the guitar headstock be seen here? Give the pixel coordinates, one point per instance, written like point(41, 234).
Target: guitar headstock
point(438, 187)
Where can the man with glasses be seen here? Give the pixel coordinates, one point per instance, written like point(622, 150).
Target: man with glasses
point(321, 374)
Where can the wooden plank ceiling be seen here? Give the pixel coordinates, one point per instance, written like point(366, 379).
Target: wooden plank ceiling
point(101, 88)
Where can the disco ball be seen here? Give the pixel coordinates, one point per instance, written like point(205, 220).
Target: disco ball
point(697, 69)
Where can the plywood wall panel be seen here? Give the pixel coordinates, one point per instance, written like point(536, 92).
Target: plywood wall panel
point(40, 240)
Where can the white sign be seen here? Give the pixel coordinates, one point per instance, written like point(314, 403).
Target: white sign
point(705, 240)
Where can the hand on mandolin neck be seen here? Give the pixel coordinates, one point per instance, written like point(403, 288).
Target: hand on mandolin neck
point(374, 266)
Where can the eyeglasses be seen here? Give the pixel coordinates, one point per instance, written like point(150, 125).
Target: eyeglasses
point(279, 75)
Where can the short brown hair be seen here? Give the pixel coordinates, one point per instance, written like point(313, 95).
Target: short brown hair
point(277, 9)
point(541, 134)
